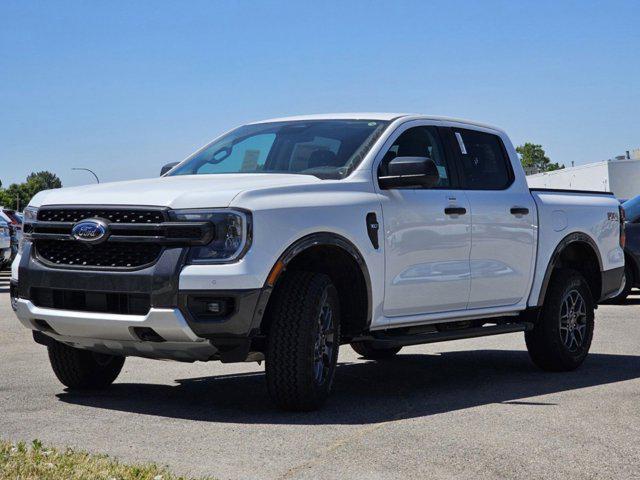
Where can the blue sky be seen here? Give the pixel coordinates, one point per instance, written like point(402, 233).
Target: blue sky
point(124, 87)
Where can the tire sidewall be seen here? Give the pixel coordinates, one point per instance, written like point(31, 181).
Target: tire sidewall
point(291, 341)
point(553, 312)
point(323, 388)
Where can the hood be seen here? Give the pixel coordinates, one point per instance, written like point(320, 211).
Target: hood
point(181, 191)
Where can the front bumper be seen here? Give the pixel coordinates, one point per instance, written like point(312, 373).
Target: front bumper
point(170, 329)
point(119, 334)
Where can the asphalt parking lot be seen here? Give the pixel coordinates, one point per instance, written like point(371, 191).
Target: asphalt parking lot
point(468, 409)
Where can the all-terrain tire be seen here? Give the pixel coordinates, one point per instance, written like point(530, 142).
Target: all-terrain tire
point(82, 369)
point(368, 351)
point(548, 342)
point(295, 378)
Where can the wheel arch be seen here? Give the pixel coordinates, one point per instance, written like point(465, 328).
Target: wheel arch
point(337, 256)
point(566, 254)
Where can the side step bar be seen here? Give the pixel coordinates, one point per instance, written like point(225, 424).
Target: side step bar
point(419, 339)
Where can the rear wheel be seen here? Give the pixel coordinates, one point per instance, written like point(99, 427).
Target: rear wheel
point(370, 352)
point(303, 341)
point(561, 337)
point(82, 369)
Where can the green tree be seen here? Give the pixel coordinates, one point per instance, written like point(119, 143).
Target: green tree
point(17, 195)
point(534, 158)
point(45, 179)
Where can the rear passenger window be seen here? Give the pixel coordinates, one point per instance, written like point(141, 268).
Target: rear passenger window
point(485, 165)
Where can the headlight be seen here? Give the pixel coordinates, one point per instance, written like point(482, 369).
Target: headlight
point(30, 216)
point(232, 236)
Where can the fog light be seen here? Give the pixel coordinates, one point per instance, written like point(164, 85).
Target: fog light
point(210, 308)
point(215, 307)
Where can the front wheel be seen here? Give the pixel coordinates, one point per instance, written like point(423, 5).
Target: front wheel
point(303, 341)
point(561, 338)
point(81, 369)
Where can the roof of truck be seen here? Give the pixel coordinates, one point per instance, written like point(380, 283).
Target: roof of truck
point(373, 116)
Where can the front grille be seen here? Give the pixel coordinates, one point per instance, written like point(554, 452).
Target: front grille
point(135, 236)
point(105, 255)
point(125, 215)
point(102, 302)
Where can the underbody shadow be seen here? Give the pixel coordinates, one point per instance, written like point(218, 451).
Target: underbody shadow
point(408, 386)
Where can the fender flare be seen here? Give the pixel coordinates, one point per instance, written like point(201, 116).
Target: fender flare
point(576, 237)
point(322, 239)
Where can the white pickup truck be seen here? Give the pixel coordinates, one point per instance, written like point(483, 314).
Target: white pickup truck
point(284, 239)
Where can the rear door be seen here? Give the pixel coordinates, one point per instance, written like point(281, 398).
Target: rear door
point(502, 220)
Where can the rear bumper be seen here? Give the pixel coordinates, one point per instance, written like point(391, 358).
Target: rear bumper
point(612, 282)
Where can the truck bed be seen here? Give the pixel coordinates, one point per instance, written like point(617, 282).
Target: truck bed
point(594, 215)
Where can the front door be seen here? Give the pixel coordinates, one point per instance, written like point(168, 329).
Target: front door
point(426, 231)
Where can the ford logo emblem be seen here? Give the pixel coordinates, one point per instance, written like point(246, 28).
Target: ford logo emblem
point(90, 231)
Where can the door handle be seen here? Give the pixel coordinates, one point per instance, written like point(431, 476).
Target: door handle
point(455, 211)
point(519, 211)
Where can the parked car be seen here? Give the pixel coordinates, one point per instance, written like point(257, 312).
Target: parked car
point(5, 244)
point(285, 239)
point(15, 227)
point(632, 249)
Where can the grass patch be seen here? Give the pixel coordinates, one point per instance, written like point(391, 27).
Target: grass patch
point(37, 462)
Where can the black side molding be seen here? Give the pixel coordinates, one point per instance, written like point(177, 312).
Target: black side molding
point(564, 190)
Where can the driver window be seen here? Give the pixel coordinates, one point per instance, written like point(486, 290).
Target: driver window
point(419, 142)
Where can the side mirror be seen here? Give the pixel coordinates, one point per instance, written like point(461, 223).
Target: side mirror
point(167, 167)
point(419, 172)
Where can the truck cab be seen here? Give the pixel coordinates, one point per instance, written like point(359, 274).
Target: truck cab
point(284, 239)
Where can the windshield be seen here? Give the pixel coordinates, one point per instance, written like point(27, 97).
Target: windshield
point(328, 149)
point(632, 209)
